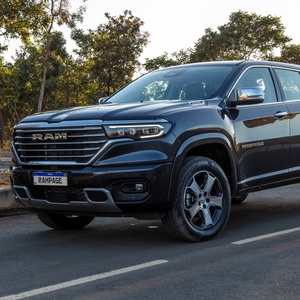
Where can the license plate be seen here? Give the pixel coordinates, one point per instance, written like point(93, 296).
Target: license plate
point(54, 179)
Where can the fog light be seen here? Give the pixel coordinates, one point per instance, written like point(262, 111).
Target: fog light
point(134, 187)
point(139, 187)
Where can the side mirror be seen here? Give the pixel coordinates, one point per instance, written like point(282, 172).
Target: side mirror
point(246, 96)
point(102, 100)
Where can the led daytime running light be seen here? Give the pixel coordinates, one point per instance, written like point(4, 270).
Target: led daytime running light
point(135, 131)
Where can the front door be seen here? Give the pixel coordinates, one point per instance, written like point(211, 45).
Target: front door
point(262, 133)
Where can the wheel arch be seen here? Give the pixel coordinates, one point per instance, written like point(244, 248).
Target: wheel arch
point(214, 146)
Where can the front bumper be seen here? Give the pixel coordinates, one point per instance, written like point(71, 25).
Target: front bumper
point(127, 191)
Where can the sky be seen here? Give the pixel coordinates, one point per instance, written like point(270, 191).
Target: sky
point(175, 25)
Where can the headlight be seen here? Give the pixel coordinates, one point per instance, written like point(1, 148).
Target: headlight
point(137, 131)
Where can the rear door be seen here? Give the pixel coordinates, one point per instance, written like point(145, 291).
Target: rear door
point(290, 84)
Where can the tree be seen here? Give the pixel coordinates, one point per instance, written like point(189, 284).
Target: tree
point(245, 36)
point(111, 51)
point(8, 95)
point(33, 21)
point(76, 83)
point(54, 96)
point(57, 12)
point(162, 61)
point(20, 19)
point(20, 82)
point(290, 54)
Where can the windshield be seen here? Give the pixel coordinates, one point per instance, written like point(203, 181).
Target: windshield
point(178, 83)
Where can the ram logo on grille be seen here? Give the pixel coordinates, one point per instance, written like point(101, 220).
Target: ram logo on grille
point(49, 136)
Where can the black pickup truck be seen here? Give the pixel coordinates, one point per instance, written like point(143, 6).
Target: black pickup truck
point(178, 144)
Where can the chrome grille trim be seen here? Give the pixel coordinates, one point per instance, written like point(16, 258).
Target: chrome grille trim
point(82, 145)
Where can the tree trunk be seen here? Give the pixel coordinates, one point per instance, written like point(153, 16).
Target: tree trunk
point(43, 83)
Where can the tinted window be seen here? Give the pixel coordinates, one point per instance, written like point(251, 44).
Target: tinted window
point(183, 83)
point(290, 83)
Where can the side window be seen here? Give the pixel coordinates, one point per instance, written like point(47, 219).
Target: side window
point(290, 83)
point(259, 77)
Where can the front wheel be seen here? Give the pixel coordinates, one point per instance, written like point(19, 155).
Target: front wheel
point(202, 205)
point(58, 221)
point(239, 199)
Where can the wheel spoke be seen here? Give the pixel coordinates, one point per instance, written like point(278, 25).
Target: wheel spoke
point(216, 201)
point(194, 187)
point(206, 216)
point(210, 180)
point(194, 210)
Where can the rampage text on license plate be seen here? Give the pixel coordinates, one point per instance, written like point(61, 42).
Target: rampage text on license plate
point(56, 179)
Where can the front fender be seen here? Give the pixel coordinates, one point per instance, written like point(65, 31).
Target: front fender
point(187, 149)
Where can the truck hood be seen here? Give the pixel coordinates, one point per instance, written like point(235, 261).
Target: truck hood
point(106, 112)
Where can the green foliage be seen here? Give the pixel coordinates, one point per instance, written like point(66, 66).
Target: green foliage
point(56, 12)
point(107, 57)
point(245, 36)
point(111, 51)
point(67, 81)
point(20, 82)
point(164, 61)
point(290, 54)
point(20, 18)
point(8, 93)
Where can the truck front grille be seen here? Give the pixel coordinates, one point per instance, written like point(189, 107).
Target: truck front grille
point(76, 144)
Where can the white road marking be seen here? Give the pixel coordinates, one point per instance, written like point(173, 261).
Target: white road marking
point(83, 280)
point(266, 236)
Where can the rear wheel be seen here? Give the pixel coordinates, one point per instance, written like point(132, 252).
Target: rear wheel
point(202, 205)
point(58, 221)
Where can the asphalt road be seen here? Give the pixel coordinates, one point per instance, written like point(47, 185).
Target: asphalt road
point(257, 256)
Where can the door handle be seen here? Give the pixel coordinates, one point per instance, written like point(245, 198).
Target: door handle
point(280, 114)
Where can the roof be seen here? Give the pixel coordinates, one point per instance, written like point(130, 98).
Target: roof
point(240, 62)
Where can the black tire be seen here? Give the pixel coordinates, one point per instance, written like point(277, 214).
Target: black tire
point(239, 199)
point(202, 205)
point(58, 221)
